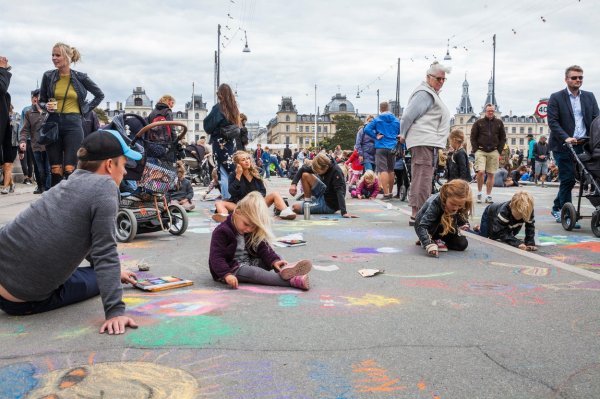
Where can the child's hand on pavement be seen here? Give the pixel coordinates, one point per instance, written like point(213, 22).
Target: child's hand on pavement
point(128, 277)
point(465, 227)
point(279, 264)
point(349, 216)
point(531, 248)
point(432, 250)
point(232, 281)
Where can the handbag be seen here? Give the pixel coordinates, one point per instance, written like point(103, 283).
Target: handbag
point(48, 131)
point(231, 132)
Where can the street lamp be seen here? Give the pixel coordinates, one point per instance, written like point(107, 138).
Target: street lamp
point(246, 48)
point(447, 56)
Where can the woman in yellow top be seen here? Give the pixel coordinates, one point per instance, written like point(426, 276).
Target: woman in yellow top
point(62, 93)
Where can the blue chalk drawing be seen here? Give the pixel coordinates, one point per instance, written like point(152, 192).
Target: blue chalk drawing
point(16, 380)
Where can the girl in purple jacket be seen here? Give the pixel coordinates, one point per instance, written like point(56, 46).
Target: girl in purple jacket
point(240, 251)
point(368, 187)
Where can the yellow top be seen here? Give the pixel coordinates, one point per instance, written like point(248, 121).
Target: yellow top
point(71, 104)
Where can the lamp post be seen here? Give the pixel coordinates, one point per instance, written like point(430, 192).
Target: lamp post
point(377, 101)
point(316, 116)
point(494, 72)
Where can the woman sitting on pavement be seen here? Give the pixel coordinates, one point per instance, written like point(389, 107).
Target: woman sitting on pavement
point(243, 181)
point(240, 251)
point(503, 221)
point(440, 219)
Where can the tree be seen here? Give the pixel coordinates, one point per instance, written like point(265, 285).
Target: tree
point(346, 127)
point(101, 115)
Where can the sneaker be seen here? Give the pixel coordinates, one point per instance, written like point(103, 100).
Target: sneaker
point(219, 217)
point(441, 246)
point(287, 214)
point(556, 215)
point(27, 181)
point(300, 282)
point(299, 268)
point(479, 198)
point(488, 200)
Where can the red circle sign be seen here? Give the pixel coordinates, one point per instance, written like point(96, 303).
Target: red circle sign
point(541, 109)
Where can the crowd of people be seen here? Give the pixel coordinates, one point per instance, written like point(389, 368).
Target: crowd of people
point(411, 153)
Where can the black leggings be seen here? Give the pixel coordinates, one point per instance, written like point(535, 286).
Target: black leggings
point(70, 135)
point(401, 179)
point(453, 241)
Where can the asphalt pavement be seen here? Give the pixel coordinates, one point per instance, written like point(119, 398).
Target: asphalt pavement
point(492, 322)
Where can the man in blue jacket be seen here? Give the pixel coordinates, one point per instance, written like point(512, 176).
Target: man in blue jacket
point(570, 115)
point(384, 129)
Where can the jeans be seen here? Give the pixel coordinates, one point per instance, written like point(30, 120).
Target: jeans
point(368, 166)
point(70, 136)
point(267, 168)
point(27, 162)
point(224, 182)
point(43, 167)
point(566, 174)
point(254, 271)
point(80, 286)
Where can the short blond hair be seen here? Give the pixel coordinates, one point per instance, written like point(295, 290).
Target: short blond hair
point(320, 163)
point(254, 208)
point(522, 204)
point(166, 98)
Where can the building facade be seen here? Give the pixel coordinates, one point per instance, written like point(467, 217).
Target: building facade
point(298, 130)
point(517, 127)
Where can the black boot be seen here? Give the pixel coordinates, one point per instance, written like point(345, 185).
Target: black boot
point(38, 190)
point(55, 178)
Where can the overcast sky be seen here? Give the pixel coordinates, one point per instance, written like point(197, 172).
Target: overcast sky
point(338, 45)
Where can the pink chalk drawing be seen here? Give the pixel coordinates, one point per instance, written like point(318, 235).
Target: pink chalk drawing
point(260, 290)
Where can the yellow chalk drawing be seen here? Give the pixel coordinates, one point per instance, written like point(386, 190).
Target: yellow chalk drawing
point(133, 301)
point(77, 332)
point(135, 244)
point(370, 299)
point(131, 380)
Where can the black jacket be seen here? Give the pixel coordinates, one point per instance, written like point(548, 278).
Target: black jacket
point(287, 153)
point(457, 165)
point(561, 120)
point(4, 104)
point(335, 194)
point(540, 149)
point(80, 82)
point(488, 135)
point(161, 109)
point(429, 218)
point(504, 227)
point(240, 188)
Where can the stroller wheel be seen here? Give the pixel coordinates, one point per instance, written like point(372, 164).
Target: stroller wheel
point(568, 216)
point(179, 220)
point(596, 223)
point(126, 225)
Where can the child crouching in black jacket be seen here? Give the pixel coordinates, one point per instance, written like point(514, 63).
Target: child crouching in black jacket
point(439, 221)
point(503, 221)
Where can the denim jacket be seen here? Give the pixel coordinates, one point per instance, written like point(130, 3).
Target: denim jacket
point(80, 82)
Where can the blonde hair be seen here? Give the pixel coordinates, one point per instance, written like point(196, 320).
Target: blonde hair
point(166, 98)
point(320, 163)
point(237, 157)
point(368, 176)
point(458, 189)
point(522, 204)
point(70, 53)
point(254, 208)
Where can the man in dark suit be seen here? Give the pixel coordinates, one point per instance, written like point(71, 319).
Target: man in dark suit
point(570, 115)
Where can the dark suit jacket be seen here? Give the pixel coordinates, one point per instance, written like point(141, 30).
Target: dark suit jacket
point(561, 119)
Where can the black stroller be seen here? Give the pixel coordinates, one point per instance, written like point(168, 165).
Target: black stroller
point(145, 208)
point(589, 168)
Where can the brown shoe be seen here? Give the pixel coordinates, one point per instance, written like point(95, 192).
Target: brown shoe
point(295, 269)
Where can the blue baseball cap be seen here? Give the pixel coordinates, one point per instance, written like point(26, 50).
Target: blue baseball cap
point(106, 144)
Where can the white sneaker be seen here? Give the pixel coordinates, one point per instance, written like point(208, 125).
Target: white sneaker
point(287, 214)
point(479, 198)
point(488, 200)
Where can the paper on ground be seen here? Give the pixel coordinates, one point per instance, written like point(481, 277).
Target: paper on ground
point(370, 272)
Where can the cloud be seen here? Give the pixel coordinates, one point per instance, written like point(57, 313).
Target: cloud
point(164, 47)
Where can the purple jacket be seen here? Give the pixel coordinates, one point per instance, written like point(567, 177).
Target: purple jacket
point(223, 244)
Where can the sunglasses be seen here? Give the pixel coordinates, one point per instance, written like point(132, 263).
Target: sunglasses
point(440, 80)
point(576, 77)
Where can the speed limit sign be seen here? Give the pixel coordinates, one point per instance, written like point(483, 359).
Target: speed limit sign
point(541, 109)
